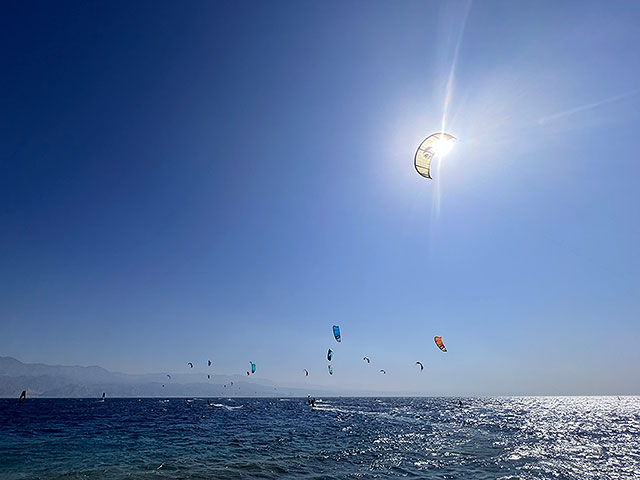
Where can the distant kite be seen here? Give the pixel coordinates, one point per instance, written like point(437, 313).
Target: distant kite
point(421, 366)
point(168, 376)
point(253, 367)
point(383, 372)
point(306, 372)
point(366, 359)
point(336, 333)
point(208, 376)
point(439, 343)
point(209, 363)
point(23, 396)
point(435, 145)
point(329, 354)
point(248, 374)
point(190, 364)
point(330, 370)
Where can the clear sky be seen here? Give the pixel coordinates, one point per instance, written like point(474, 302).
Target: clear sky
point(227, 180)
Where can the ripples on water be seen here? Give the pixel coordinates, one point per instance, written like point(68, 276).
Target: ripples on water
point(488, 438)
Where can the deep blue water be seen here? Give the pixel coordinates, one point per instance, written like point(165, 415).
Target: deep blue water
point(486, 438)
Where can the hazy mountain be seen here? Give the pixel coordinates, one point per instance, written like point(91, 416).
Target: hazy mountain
point(42, 380)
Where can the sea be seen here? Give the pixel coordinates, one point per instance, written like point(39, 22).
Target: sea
point(360, 438)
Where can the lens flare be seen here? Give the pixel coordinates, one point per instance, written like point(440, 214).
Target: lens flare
point(442, 146)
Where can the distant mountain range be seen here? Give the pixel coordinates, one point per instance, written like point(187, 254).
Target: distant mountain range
point(40, 380)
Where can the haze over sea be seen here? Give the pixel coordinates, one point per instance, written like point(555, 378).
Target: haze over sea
point(485, 438)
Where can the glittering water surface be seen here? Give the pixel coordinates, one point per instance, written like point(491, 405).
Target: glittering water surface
point(486, 438)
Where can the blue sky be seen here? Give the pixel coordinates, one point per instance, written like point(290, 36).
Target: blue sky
point(228, 180)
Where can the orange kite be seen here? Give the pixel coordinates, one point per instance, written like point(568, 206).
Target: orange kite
point(439, 343)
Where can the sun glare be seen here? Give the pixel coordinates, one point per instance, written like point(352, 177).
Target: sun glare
point(442, 146)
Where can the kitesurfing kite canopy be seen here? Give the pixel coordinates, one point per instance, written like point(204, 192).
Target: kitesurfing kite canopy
point(336, 333)
point(329, 354)
point(306, 372)
point(253, 367)
point(439, 343)
point(421, 366)
point(330, 370)
point(366, 359)
point(436, 145)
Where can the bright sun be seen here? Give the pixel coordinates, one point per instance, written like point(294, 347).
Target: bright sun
point(442, 146)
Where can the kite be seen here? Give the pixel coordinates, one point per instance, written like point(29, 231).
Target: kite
point(208, 376)
point(330, 370)
point(336, 333)
point(439, 343)
point(383, 372)
point(366, 359)
point(190, 364)
point(436, 145)
point(23, 396)
point(421, 366)
point(253, 367)
point(248, 374)
point(329, 354)
point(306, 372)
point(168, 376)
point(209, 363)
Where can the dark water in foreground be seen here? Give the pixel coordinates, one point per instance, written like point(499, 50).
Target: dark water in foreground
point(489, 438)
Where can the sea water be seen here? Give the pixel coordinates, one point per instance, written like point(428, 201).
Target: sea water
point(227, 438)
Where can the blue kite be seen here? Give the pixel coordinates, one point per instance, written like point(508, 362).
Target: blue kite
point(336, 333)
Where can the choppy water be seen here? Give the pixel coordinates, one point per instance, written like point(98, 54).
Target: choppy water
point(488, 438)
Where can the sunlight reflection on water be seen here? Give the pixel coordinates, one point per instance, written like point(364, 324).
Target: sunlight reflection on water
point(486, 438)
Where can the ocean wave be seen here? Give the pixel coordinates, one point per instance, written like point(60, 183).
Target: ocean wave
point(533, 438)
